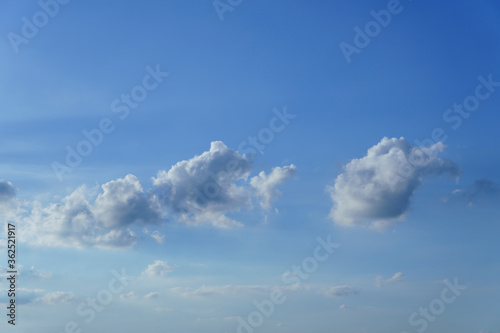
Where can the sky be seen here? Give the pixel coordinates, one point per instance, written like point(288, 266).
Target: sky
point(250, 166)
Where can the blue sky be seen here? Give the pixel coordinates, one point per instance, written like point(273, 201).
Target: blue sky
point(390, 152)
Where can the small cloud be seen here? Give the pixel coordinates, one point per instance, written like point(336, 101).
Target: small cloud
point(163, 310)
point(158, 268)
point(56, 297)
point(27, 273)
point(130, 295)
point(341, 291)
point(23, 295)
point(265, 185)
point(396, 278)
point(482, 189)
point(40, 274)
point(344, 307)
point(158, 237)
point(208, 291)
point(152, 295)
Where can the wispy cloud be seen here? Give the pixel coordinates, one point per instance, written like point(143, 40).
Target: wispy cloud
point(396, 278)
point(56, 297)
point(340, 291)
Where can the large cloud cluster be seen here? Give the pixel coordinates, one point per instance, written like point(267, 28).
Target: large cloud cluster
point(375, 191)
point(201, 190)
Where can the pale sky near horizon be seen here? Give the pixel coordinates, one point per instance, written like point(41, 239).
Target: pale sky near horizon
point(251, 166)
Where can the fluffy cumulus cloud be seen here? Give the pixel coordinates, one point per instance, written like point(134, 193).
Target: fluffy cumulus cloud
point(265, 185)
point(124, 202)
point(204, 188)
point(375, 190)
point(158, 268)
point(71, 223)
point(201, 190)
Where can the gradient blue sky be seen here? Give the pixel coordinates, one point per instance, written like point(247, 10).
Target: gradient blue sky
point(225, 79)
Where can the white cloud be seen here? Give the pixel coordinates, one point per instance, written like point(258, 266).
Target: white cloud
point(130, 295)
point(70, 223)
point(152, 295)
point(158, 237)
point(226, 290)
point(56, 297)
point(41, 274)
point(340, 291)
point(375, 191)
point(23, 295)
point(76, 222)
point(203, 188)
point(30, 273)
point(158, 268)
point(265, 185)
point(67, 224)
point(124, 202)
point(197, 191)
point(116, 239)
point(396, 278)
